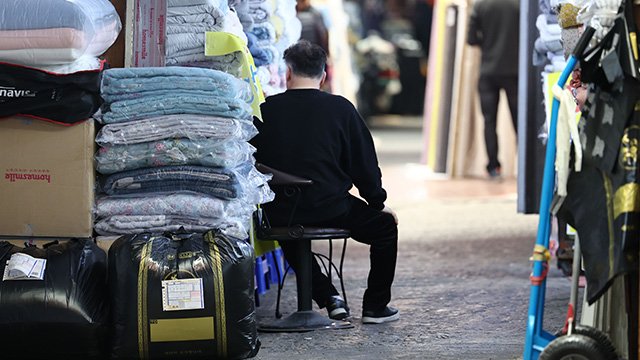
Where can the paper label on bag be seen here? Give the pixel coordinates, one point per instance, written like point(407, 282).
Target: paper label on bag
point(24, 267)
point(182, 294)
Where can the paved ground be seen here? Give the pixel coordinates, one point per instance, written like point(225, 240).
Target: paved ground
point(462, 282)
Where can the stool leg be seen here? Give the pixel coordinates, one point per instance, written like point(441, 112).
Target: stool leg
point(305, 319)
point(303, 277)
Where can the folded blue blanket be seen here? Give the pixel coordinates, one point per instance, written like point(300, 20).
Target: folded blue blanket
point(134, 109)
point(218, 182)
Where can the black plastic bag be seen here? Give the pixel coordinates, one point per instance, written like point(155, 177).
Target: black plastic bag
point(213, 276)
point(65, 314)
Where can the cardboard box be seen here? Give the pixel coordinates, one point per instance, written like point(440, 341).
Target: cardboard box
point(47, 178)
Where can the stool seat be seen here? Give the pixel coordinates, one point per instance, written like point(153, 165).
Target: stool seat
point(296, 232)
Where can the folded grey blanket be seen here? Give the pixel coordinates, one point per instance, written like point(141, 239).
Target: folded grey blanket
point(186, 126)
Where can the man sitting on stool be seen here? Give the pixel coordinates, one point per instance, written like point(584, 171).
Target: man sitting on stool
point(319, 136)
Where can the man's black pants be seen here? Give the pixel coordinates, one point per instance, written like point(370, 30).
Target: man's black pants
point(489, 90)
point(368, 226)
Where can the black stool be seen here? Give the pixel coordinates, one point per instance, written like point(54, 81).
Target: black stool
point(305, 319)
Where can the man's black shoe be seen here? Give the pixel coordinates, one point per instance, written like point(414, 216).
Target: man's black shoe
point(337, 308)
point(379, 317)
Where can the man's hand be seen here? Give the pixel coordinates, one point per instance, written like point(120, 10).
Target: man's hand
point(391, 212)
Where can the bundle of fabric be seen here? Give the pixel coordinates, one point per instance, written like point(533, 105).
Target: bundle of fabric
point(135, 224)
point(130, 83)
point(242, 8)
point(292, 28)
point(265, 33)
point(187, 23)
point(215, 272)
point(230, 63)
point(170, 211)
point(138, 93)
point(548, 46)
point(260, 11)
point(185, 126)
point(217, 182)
point(206, 152)
point(50, 32)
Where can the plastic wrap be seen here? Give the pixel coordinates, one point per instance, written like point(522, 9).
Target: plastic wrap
point(48, 32)
point(206, 152)
point(138, 83)
point(599, 14)
point(218, 319)
point(136, 224)
point(65, 99)
point(178, 204)
point(242, 182)
point(66, 311)
point(186, 126)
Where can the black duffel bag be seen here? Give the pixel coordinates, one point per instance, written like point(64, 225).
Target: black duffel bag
point(182, 296)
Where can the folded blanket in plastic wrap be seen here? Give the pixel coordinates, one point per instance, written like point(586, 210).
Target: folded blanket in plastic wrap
point(138, 93)
point(217, 182)
point(206, 152)
point(66, 311)
point(241, 182)
point(135, 224)
point(186, 126)
point(116, 215)
point(186, 294)
point(136, 83)
point(47, 32)
point(64, 99)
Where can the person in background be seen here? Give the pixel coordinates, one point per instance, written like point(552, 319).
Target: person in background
point(494, 26)
point(319, 136)
point(315, 31)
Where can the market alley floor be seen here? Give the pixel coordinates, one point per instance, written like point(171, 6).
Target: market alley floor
point(462, 281)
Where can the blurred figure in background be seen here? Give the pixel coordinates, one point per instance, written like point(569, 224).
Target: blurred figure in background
point(316, 32)
point(494, 26)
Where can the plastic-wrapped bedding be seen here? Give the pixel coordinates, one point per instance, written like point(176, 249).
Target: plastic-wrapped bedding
point(185, 126)
point(207, 152)
point(64, 99)
point(178, 296)
point(66, 311)
point(135, 224)
point(137, 83)
point(217, 182)
point(243, 182)
point(47, 32)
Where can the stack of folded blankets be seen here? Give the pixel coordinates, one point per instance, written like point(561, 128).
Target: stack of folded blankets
point(187, 23)
point(271, 27)
point(49, 49)
point(174, 153)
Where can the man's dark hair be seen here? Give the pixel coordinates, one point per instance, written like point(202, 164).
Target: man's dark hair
point(305, 59)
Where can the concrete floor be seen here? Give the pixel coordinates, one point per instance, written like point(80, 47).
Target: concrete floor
point(462, 282)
